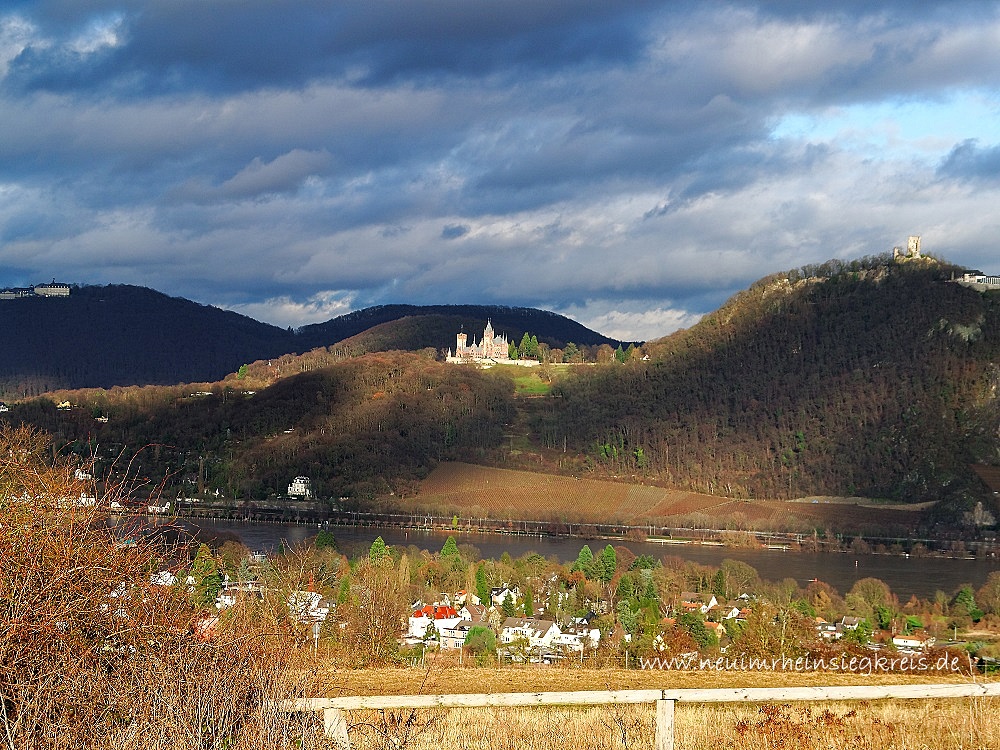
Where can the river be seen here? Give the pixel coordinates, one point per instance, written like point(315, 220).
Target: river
point(906, 576)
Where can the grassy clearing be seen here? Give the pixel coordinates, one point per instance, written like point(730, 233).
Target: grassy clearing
point(882, 725)
point(452, 678)
point(527, 382)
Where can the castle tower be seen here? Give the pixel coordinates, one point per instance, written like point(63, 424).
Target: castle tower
point(460, 345)
point(488, 341)
point(913, 246)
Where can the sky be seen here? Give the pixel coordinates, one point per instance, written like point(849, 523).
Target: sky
point(629, 164)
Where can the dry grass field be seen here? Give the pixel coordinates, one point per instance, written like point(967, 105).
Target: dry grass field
point(478, 491)
point(956, 724)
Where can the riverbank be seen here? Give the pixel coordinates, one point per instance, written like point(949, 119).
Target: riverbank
point(653, 534)
point(907, 576)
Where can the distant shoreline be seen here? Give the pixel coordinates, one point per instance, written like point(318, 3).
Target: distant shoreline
point(668, 536)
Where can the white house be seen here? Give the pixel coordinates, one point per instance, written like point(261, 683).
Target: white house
point(422, 615)
point(308, 606)
point(163, 578)
point(498, 594)
point(539, 634)
point(452, 632)
point(693, 602)
point(300, 487)
point(577, 639)
point(913, 641)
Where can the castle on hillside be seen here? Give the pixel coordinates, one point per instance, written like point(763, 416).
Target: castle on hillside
point(491, 347)
point(912, 249)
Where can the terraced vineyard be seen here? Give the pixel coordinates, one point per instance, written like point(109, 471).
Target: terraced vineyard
point(478, 491)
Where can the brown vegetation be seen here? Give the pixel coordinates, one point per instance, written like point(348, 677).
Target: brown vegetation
point(872, 725)
point(851, 381)
point(92, 654)
point(478, 491)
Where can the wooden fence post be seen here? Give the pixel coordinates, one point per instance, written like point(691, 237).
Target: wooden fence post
point(335, 725)
point(664, 739)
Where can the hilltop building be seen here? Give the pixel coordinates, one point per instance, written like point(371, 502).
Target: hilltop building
point(492, 349)
point(912, 249)
point(979, 280)
point(492, 346)
point(54, 289)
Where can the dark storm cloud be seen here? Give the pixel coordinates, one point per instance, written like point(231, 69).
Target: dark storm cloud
point(454, 231)
point(493, 151)
point(968, 161)
point(192, 44)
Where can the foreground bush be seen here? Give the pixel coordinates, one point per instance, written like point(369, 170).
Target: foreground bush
point(92, 654)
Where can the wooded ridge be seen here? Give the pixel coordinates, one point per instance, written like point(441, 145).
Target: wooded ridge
point(871, 378)
point(101, 336)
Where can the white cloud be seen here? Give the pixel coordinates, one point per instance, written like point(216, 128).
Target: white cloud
point(642, 325)
point(637, 189)
point(16, 33)
point(286, 312)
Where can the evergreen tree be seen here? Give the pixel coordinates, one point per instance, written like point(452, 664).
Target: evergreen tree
point(584, 560)
point(244, 572)
point(627, 617)
point(529, 603)
point(608, 563)
point(694, 624)
point(450, 548)
point(719, 584)
point(626, 589)
point(525, 346)
point(378, 552)
point(325, 540)
point(207, 578)
point(507, 607)
point(482, 585)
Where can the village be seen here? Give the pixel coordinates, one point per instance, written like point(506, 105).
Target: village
point(603, 607)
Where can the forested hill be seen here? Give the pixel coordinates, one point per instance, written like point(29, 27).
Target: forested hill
point(875, 379)
point(447, 320)
point(124, 335)
point(101, 336)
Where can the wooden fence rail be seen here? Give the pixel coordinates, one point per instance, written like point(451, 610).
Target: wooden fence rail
point(335, 722)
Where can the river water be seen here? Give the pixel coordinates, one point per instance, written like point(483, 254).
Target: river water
point(920, 576)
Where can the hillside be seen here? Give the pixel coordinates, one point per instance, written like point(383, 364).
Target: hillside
point(102, 336)
point(360, 428)
point(444, 321)
point(871, 379)
point(477, 491)
point(874, 379)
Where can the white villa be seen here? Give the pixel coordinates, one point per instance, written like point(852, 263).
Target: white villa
point(301, 487)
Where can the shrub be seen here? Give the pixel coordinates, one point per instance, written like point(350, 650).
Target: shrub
point(92, 654)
